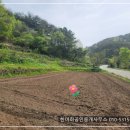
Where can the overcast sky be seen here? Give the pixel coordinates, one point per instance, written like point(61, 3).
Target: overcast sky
point(91, 23)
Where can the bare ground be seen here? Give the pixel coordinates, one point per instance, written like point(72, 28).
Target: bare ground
point(41, 99)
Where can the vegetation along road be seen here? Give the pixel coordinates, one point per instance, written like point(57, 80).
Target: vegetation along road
point(120, 72)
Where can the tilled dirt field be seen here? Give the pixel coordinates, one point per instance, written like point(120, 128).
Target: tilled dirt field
point(41, 99)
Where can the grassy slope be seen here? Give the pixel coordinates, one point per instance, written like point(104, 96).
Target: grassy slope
point(17, 63)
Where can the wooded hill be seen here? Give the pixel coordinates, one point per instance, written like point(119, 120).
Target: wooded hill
point(102, 51)
point(37, 35)
point(30, 45)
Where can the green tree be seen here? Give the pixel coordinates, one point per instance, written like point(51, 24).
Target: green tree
point(124, 56)
point(40, 44)
point(35, 22)
point(57, 45)
point(113, 62)
point(79, 54)
point(7, 24)
point(20, 28)
point(25, 40)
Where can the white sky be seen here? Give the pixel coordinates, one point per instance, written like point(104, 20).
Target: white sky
point(91, 23)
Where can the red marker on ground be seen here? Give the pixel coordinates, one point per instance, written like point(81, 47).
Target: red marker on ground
point(74, 90)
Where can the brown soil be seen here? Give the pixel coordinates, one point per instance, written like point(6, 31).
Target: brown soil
point(41, 99)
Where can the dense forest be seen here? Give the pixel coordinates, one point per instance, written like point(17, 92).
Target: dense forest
point(28, 43)
point(113, 51)
point(37, 35)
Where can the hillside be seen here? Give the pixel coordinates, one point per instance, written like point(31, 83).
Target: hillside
point(36, 34)
point(105, 49)
point(14, 63)
point(30, 45)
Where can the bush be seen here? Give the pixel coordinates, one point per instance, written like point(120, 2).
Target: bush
point(3, 46)
point(24, 41)
point(95, 69)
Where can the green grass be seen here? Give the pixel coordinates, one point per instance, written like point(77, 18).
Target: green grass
point(16, 63)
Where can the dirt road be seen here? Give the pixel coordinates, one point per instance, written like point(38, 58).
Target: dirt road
point(40, 100)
